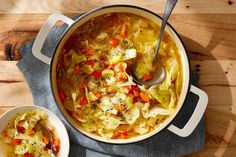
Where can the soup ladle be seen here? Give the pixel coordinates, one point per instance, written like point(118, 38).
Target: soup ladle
point(159, 74)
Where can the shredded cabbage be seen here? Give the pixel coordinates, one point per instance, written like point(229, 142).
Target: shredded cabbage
point(118, 55)
point(141, 127)
point(107, 106)
point(75, 58)
point(132, 115)
point(109, 121)
point(105, 133)
point(107, 73)
point(87, 69)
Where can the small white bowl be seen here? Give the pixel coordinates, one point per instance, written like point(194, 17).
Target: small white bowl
point(54, 120)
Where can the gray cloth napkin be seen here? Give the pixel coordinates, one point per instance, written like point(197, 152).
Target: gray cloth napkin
point(164, 144)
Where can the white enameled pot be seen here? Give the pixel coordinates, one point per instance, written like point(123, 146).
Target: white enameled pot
point(74, 24)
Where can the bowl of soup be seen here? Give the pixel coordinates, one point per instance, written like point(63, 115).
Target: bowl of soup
point(91, 81)
point(31, 131)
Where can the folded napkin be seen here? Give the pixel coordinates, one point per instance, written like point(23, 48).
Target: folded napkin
point(163, 144)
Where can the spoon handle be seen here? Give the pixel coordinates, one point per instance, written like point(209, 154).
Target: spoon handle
point(168, 9)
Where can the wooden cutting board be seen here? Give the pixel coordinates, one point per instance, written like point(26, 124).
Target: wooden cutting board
point(207, 27)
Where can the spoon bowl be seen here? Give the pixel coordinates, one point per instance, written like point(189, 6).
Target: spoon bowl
point(157, 76)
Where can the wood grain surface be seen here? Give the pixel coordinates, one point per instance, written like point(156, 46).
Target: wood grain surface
point(79, 6)
point(207, 27)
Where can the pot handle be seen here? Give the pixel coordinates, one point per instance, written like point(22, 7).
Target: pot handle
point(196, 116)
point(43, 33)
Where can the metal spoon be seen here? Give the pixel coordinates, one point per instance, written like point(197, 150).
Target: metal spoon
point(159, 75)
point(46, 132)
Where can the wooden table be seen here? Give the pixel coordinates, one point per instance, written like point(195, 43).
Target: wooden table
point(208, 28)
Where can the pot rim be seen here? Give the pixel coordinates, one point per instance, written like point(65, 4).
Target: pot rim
point(83, 15)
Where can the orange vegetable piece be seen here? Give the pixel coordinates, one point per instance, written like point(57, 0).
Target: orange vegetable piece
point(124, 134)
point(120, 67)
point(121, 76)
point(20, 128)
point(118, 79)
point(120, 108)
point(77, 69)
point(123, 32)
point(136, 93)
point(83, 101)
point(97, 94)
point(56, 149)
point(56, 145)
point(124, 76)
point(111, 66)
point(83, 83)
point(150, 129)
point(56, 141)
point(116, 133)
point(28, 155)
point(30, 132)
point(4, 133)
point(89, 53)
point(97, 74)
point(147, 77)
point(16, 141)
point(90, 62)
point(114, 42)
point(45, 140)
point(144, 97)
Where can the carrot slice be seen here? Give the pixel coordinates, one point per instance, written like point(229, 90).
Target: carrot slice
point(111, 66)
point(83, 101)
point(90, 62)
point(97, 74)
point(28, 155)
point(77, 69)
point(116, 133)
point(136, 93)
point(144, 97)
point(97, 94)
point(123, 32)
point(114, 42)
point(120, 67)
point(21, 129)
point(16, 141)
point(120, 108)
point(89, 53)
point(4, 133)
point(124, 134)
point(30, 132)
point(147, 77)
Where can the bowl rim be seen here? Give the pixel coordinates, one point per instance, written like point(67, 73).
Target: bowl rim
point(49, 113)
point(83, 15)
